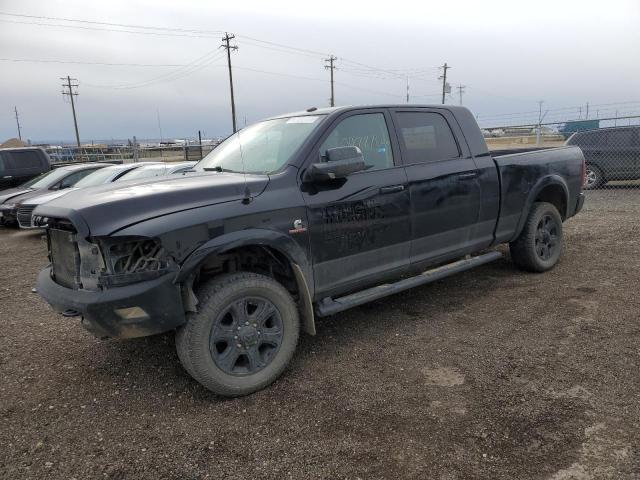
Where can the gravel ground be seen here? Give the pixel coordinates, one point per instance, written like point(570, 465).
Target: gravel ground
point(492, 374)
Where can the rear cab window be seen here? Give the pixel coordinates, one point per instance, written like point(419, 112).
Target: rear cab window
point(426, 137)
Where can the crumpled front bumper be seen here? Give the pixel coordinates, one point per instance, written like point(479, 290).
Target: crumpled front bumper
point(158, 302)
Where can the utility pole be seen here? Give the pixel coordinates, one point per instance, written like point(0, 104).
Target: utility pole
point(444, 67)
point(586, 115)
point(461, 91)
point(159, 124)
point(407, 88)
point(226, 39)
point(68, 89)
point(540, 117)
point(331, 67)
point(15, 109)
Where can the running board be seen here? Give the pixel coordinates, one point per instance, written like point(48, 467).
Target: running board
point(329, 306)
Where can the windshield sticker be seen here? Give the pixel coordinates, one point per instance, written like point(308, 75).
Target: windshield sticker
point(306, 119)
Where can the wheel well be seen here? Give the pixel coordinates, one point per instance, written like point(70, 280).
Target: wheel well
point(554, 194)
point(255, 258)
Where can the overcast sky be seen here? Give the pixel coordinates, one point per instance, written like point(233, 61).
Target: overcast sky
point(509, 54)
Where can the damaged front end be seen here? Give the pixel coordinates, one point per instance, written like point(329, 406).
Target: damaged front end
point(122, 286)
point(125, 260)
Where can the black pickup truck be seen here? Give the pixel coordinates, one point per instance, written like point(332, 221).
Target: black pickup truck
point(297, 217)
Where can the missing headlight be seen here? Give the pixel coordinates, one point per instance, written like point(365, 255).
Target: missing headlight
point(137, 256)
point(131, 259)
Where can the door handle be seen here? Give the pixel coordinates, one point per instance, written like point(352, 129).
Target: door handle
point(468, 175)
point(391, 189)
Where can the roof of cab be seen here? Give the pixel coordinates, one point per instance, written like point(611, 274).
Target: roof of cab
point(332, 110)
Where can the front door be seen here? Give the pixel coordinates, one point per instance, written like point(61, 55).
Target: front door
point(359, 226)
point(443, 184)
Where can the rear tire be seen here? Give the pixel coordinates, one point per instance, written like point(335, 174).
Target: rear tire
point(243, 336)
point(539, 245)
point(595, 178)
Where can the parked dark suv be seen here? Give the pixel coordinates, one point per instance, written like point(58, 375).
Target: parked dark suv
point(17, 165)
point(610, 153)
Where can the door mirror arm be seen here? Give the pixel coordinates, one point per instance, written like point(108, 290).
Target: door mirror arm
point(340, 163)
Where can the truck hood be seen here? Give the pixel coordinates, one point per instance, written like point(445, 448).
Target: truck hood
point(12, 192)
point(102, 210)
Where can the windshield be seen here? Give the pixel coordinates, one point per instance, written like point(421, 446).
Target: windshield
point(46, 179)
point(96, 178)
point(264, 147)
point(145, 172)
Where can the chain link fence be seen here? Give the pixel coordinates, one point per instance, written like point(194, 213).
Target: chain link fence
point(611, 147)
point(129, 153)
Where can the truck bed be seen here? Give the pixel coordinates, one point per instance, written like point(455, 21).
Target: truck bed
point(518, 179)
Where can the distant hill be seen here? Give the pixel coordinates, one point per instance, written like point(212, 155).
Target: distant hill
point(13, 143)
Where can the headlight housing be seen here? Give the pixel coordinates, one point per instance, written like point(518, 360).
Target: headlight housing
point(132, 259)
point(8, 206)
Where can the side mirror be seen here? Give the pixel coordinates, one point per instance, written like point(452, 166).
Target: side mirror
point(341, 162)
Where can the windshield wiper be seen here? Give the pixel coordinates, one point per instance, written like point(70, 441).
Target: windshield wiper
point(219, 169)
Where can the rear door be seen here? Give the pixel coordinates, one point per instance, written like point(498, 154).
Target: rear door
point(359, 226)
point(443, 184)
point(623, 148)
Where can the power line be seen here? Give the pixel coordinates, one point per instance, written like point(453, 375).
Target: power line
point(68, 89)
point(62, 19)
point(80, 27)
point(192, 67)
point(226, 39)
point(74, 62)
point(377, 92)
point(331, 67)
point(315, 53)
point(195, 33)
point(560, 109)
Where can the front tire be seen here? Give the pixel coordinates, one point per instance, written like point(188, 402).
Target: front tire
point(243, 336)
point(539, 245)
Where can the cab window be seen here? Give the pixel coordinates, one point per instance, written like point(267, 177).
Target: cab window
point(366, 131)
point(427, 137)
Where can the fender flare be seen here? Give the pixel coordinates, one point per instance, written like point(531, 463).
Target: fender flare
point(284, 244)
point(540, 185)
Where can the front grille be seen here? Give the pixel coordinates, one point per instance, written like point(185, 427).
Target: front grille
point(24, 215)
point(65, 258)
